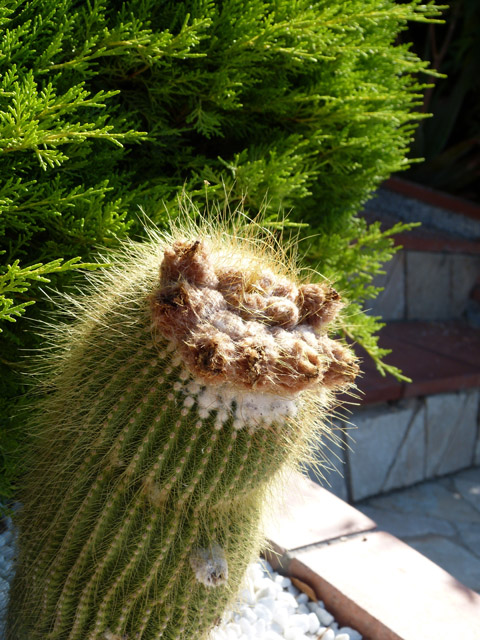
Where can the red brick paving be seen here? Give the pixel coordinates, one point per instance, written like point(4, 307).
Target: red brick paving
point(437, 356)
point(310, 514)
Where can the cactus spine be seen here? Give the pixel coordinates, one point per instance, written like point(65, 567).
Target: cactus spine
point(174, 402)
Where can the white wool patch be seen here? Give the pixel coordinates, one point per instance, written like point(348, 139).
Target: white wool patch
point(210, 565)
point(246, 408)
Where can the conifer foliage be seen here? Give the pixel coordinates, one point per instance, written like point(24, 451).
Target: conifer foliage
point(298, 107)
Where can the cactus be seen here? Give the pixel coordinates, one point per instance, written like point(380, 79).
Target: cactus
point(196, 371)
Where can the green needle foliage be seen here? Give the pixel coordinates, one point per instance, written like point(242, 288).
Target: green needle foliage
point(300, 108)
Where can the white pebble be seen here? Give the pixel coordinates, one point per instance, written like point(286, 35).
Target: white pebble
point(325, 618)
point(248, 614)
point(268, 590)
point(8, 553)
point(6, 538)
point(283, 581)
point(300, 621)
point(270, 635)
point(342, 636)
point(328, 635)
point(287, 599)
point(263, 613)
point(274, 626)
point(259, 628)
point(248, 596)
point(234, 628)
point(268, 602)
point(313, 622)
point(294, 633)
point(354, 635)
point(281, 617)
point(247, 628)
point(302, 598)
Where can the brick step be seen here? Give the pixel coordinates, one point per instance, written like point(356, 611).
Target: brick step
point(368, 579)
point(424, 238)
point(412, 202)
point(433, 197)
point(437, 356)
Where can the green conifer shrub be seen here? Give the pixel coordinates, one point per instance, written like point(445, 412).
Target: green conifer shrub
point(171, 407)
point(300, 107)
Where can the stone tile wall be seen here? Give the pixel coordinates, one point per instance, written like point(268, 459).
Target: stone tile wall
point(423, 285)
point(397, 445)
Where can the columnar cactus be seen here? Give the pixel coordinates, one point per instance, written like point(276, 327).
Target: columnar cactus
point(196, 371)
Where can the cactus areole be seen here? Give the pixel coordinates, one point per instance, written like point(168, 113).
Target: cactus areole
point(198, 369)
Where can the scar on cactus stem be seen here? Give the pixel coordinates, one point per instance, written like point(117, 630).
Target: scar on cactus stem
point(196, 373)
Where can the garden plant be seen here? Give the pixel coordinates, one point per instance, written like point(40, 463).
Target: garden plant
point(106, 108)
point(198, 369)
point(109, 111)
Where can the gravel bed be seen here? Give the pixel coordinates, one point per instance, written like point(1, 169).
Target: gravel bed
point(269, 607)
point(7, 554)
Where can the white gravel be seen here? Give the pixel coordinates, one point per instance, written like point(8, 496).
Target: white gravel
point(269, 607)
point(7, 554)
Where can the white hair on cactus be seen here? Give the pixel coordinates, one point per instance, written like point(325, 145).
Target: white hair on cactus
point(244, 407)
point(210, 565)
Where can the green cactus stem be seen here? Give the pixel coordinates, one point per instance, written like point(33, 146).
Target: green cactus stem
point(171, 406)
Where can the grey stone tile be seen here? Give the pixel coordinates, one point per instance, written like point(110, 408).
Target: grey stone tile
point(470, 536)
point(428, 278)
point(390, 303)
point(431, 499)
point(468, 485)
point(459, 451)
point(334, 480)
point(330, 468)
point(464, 272)
point(445, 452)
point(409, 465)
point(452, 557)
point(471, 475)
point(402, 526)
point(379, 434)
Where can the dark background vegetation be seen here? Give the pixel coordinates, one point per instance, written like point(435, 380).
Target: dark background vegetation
point(450, 140)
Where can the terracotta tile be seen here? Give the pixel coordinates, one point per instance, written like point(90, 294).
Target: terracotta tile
point(438, 357)
point(423, 239)
point(452, 339)
point(386, 590)
point(374, 387)
point(310, 514)
point(433, 197)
